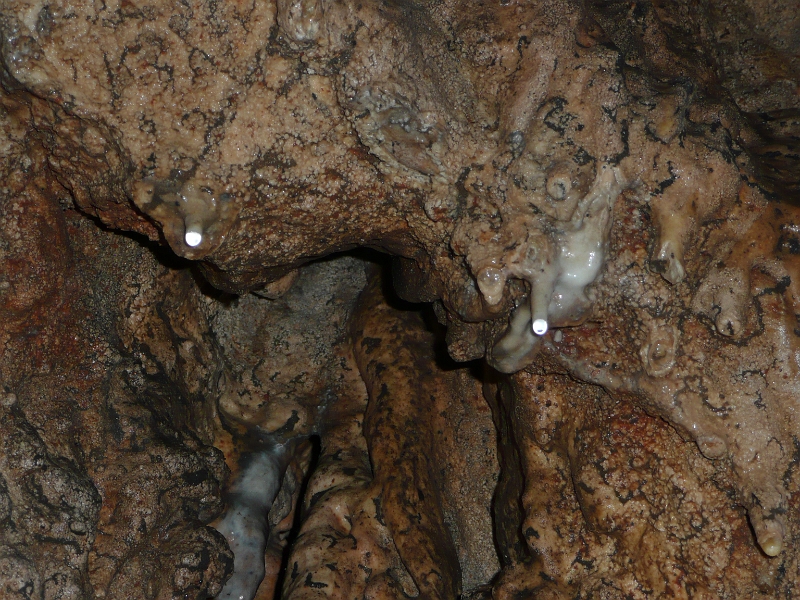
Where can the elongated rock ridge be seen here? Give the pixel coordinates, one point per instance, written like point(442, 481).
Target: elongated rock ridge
point(395, 299)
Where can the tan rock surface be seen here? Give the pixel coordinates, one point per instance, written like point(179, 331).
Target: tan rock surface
point(594, 202)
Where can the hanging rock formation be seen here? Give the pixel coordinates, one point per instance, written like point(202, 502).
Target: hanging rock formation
point(315, 298)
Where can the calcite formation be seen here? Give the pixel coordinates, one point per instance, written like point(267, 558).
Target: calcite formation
point(387, 299)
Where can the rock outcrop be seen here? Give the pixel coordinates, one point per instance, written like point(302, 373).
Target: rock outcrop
point(313, 298)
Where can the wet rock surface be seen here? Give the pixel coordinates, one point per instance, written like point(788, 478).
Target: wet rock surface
point(311, 298)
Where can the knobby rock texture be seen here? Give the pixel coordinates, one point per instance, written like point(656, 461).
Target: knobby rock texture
point(393, 299)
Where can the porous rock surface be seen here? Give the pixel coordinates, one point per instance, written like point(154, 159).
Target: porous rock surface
point(570, 370)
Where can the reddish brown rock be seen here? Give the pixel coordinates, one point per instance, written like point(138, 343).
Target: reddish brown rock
point(598, 199)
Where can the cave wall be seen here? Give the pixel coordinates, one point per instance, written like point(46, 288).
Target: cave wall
point(313, 298)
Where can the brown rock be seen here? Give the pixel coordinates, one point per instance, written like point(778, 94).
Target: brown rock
point(598, 199)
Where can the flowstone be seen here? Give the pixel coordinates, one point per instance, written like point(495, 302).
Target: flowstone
point(313, 298)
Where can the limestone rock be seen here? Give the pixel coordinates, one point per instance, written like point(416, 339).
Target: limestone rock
point(316, 298)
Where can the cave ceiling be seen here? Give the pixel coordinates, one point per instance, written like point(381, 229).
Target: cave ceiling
point(389, 299)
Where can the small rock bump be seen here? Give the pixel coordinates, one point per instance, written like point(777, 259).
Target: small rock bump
point(558, 186)
point(712, 447)
point(491, 282)
point(658, 353)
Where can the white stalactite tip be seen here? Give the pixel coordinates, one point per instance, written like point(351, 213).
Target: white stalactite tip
point(193, 237)
point(539, 326)
point(771, 545)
